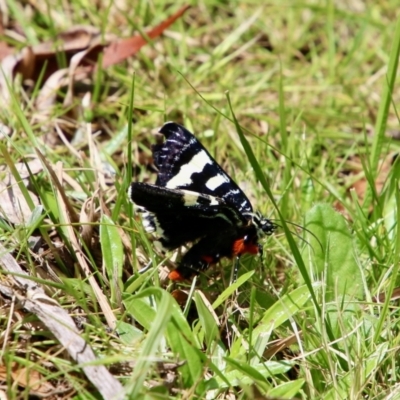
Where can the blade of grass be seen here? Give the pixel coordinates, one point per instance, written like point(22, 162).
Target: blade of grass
point(263, 180)
point(149, 350)
point(388, 85)
point(396, 267)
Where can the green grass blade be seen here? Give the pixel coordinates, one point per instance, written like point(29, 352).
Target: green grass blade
point(386, 99)
point(262, 179)
point(151, 346)
point(113, 255)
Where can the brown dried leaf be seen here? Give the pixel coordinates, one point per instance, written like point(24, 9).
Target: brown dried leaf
point(85, 40)
point(31, 60)
point(124, 48)
point(75, 39)
point(278, 345)
point(48, 93)
point(381, 297)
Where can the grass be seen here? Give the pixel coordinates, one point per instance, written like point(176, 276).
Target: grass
point(307, 129)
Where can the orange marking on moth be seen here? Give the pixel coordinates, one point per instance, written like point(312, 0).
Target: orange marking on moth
point(240, 247)
point(176, 276)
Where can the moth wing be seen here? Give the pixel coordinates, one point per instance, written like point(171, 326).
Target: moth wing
point(184, 163)
point(180, 216)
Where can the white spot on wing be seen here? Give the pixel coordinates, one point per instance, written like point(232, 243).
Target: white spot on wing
point(151, 224)
point(190, 198)
point(214, 201)
point(216, 181)
point(159, 230)
point(195, 165)
point(148, 225)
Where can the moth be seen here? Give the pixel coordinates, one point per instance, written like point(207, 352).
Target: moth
point(195, 202)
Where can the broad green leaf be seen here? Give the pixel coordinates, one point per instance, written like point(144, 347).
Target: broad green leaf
point(136, 281)
point(144, 307)
point(287, 390)
point(128, 333)
point(343, 314)
point(243, 374)
point(330, 253)
point(285, 308)
point(49, 200)
point(156, 393)
point(187, 351)
point(140, 308)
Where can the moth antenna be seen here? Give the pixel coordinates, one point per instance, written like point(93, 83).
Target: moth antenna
point(298, 236)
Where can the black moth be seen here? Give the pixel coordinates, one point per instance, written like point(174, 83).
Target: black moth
point(195, 201)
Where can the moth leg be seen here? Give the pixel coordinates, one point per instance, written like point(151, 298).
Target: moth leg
point(200, 256)
point(260, 251)
point(191, 265)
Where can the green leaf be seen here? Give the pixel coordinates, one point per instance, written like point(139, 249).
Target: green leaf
point(281, 311)
point(330, 254)
point(133, 283)
point(113, 254)
point(185, 350)
point(389, 80)
point(144, 307)
point(207, 320)
point(150, 348)
point(232, 288)
point(116, 142)
point(140, 308)
point(287, 390)
point(244, 374)
point(128, 333)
